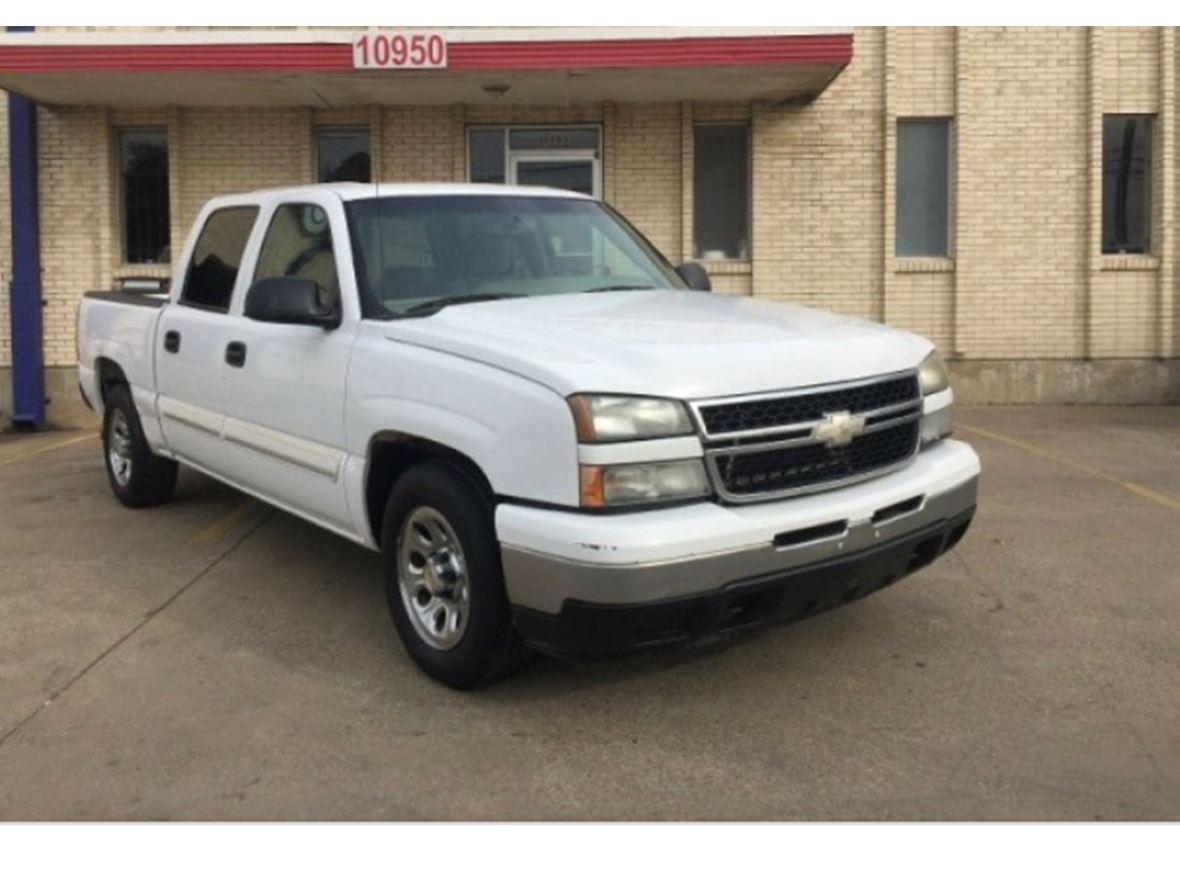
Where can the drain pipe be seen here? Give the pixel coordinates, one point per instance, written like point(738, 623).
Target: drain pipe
point(28, 365)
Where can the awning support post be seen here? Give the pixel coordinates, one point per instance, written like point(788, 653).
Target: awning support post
point(25, 306)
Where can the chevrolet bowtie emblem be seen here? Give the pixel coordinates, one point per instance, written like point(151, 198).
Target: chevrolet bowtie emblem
point(838, 429)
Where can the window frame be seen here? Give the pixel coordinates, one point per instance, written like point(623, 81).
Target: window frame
point(120, 132)
point(747, 125)
point(948, 221)
point(190, 254)
point(1149, 210)
point(359, 129)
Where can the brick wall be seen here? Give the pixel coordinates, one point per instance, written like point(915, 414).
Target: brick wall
point(645, 167)
point(74, 168)
point(818, 191)
point(1021, 193)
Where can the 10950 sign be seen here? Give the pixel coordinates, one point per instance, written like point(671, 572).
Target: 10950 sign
point(399, 49)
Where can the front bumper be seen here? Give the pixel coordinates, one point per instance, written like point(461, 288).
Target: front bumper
point(589, 584)
point(588, 630)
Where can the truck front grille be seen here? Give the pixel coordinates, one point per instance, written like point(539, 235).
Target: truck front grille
point(773, 445)
point(795, 469)
point(743, 416)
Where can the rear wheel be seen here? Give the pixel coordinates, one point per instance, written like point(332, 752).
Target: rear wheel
point(137, 477)
point(443, 580)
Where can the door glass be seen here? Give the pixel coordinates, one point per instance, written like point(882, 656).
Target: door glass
point(570, 175)
point(299, 244)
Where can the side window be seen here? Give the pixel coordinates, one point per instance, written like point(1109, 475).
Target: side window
point(343, 155)
point(298, 243)
point(1126, 184)
point(143, 192)
point(213, 270)
point(923, 188)
point(721, 191)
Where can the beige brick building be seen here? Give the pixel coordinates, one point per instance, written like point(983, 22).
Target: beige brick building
point(1013, 194)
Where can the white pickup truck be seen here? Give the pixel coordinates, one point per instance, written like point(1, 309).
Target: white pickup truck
point(555, 439)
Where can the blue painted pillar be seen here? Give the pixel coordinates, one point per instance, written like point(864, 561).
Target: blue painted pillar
point(28, 365)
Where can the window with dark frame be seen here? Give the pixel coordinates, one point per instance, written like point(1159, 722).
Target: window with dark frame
point(143, 185)
point(1126, 184)
point(721, 191)
point(922, 228)
point(487, 154)
point(343, 155)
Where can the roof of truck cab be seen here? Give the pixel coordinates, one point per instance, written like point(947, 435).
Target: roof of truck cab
point(348, 191)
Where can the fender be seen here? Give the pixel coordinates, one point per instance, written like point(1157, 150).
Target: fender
point(519, 433)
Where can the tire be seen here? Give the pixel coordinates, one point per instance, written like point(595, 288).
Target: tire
point(443, 579)
point(137, 477)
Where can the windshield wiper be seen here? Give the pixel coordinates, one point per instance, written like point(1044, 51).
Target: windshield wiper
point(620, 289)
point(437, 304)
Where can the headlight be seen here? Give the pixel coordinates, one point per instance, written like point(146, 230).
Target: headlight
point(615, 485)
point(933, 378)
point(932, 374)
point(613, 418)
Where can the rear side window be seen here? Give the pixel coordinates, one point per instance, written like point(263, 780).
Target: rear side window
point(213, 270)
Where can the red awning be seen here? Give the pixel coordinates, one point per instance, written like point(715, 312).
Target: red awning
point(537, 65)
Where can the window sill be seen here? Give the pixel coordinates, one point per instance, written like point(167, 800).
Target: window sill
point(923, 265)
point(731, 267)
point(1128, 262)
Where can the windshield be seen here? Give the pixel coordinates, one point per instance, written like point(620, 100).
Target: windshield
point(415, 255)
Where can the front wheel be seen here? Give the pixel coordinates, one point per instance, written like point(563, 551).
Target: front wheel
point(443, 580)
point(137, 477)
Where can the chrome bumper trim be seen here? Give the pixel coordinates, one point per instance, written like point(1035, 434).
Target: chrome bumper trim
point(544, 583)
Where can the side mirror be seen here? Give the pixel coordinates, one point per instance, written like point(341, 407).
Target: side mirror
point(291, 301)
point(696, 277)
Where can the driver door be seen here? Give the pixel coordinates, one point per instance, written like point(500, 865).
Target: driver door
point(284, 384)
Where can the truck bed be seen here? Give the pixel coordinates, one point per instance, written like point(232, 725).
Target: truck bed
point(121, 327)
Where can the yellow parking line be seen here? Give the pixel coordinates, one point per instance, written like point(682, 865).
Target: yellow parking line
point(221, 527)
point(24, 456)
point(1134, 488)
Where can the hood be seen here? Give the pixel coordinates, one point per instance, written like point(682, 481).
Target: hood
point(679, 344)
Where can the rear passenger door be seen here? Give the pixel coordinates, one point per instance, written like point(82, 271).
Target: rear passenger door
point(284, 401)
point(192, 337)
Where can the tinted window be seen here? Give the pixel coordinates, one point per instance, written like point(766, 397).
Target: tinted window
point(217, 257)
point(143, 174)
point(298, 243)
point(721, 191)
point(344, 155)
point(1126, 183)
point(923, 188)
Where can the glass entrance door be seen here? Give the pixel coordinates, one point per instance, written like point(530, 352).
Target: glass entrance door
point(574, 249)
point(568, 170)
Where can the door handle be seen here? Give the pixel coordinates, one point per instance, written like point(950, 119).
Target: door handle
point(235, 353)
point(172, 341)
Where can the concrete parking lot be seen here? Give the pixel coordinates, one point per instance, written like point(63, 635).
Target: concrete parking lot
point(218, 659)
